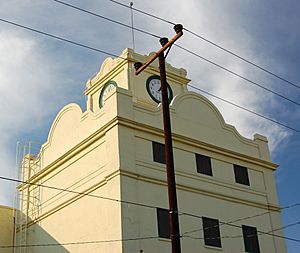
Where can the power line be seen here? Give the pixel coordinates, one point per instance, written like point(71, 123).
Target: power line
point(286, 226)
point(128, 202)
point(244, 59)
point(137, 239)
point(105, 18)
point(60, 38)
point(78, 44)
point(182, 48)
point(111, 54)
point(234, 236)
point(251, 217)
point(117, 56)
point(131, 27)
point(245, 109)
point(77, 243)
point(238, 226)
point(212, 43)
point(76, 192)
point(142, 205)
point(238, 75)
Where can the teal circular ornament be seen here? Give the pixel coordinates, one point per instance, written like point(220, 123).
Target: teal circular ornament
point(107, 88)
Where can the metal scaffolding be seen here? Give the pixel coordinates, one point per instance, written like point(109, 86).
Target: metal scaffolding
point(27, 200)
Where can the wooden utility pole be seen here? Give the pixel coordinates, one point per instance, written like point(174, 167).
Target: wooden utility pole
point(173, 209)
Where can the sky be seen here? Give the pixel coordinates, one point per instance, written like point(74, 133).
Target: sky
point(39, 74)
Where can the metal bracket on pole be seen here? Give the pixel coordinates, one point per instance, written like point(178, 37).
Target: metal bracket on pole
point(140, 67)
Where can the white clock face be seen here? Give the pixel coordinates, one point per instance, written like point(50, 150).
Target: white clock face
point(106, 90)
point(154, 89)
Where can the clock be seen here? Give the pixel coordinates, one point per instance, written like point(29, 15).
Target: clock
point(108, 87)
point(154, 89)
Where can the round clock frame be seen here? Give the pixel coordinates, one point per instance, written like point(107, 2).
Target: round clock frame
point(107, 87)
point(154, 89)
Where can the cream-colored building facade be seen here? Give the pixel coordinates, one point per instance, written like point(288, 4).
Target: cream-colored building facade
point(6, 229)
point(114, 186)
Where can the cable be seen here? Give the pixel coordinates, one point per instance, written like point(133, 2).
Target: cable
point(106, 18)
point(104, 52)
point(60, 38)
point(238, 226)
point(79, 193)
point(245, 109)
point(238, 75)
point(91, 48)
point(250, 217)
point(77, 243)
point(140, 238)
point(185, 49)
point(117, 56)
point(139, 204)
point(107, 53)
point(129, 202)
point(286, 226)
point(212, 43)
point(132, 8)
point(111, 54)
point(124, 201)
point(243, 59)
point(235, 236)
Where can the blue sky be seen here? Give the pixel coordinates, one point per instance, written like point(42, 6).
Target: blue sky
point(39, 75)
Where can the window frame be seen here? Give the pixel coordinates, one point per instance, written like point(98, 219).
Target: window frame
point(158, 152)
point(241, 174)
point(203, 164)
point(251, 243)
point(163, 224)
point(211, 232)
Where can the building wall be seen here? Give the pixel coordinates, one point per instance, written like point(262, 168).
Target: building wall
point(6, 228)
point(202, 131)
point(107, 153)
point(73, 167)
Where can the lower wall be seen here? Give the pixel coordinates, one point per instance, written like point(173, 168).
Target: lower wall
point(6, 228)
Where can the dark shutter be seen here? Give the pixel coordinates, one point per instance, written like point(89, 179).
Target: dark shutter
point(163, 223)
point(250, 239)
point(211, 232)
point(203, 164)
point(241, 174)
point(158, 152)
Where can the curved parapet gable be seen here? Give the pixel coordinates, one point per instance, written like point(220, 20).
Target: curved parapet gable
point(63, 133)
point(105, 68)
point(198, 118)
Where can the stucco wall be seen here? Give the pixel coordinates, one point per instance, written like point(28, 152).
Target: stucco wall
point(6, 228)
point(107, 152)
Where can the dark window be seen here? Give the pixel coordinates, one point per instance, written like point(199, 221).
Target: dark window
point(158, 152)
point(211, 232)
point(250, 239)
point(241, 174)
point(163, 223)
point(203, 164)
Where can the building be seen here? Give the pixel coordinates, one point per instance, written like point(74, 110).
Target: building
point(6, 229)
point(99, 182)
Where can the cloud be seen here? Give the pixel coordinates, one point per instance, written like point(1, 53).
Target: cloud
point(31, 91)
point(39, 75)
point(227, 23)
